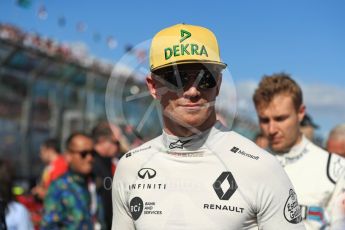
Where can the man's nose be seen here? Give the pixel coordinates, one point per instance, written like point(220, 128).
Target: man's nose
point(191, 92)
point(272, 127)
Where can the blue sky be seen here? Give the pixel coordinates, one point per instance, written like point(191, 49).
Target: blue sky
point(303, 38)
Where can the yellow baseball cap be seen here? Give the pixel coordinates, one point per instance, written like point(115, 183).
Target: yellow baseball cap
point(184, 44)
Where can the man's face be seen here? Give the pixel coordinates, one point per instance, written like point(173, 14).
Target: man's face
point(336, 146)
point(279, 121)
point(190, 106)
point(79, 154)
point(44, 154)
point(108, 146)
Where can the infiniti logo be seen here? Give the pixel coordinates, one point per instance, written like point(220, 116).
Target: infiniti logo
point(147, 173)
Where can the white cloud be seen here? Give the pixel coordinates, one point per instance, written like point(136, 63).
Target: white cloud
point(326, 103)
point(323, 96)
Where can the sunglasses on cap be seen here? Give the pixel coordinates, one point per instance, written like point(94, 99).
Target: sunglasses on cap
point(178, 79)
point(84, 153)
point(115, 142)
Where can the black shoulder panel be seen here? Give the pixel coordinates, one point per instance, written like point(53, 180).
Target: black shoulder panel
point(335, 166)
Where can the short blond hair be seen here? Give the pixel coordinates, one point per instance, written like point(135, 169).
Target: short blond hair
point(276, 84)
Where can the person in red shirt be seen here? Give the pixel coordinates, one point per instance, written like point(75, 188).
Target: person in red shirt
point(56, 166)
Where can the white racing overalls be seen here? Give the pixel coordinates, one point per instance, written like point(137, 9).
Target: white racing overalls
point(214, 180)
point(314, 173)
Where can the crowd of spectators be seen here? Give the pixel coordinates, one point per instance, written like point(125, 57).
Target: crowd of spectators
point(74, 53)
point(74, 188)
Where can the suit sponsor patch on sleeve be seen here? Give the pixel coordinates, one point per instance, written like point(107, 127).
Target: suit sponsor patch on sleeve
point(292, 210)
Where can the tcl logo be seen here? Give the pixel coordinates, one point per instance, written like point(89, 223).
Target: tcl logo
point(147, 173)
point(136, 207)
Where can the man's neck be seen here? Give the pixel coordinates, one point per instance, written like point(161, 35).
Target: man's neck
point(299, 139)
point(176, 129)
point(74, 172)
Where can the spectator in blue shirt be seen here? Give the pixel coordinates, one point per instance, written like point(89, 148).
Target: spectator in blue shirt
point(71, 202)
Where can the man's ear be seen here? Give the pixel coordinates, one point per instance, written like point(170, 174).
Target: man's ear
point(219, 82)
point(152, 86)
point(301, 113)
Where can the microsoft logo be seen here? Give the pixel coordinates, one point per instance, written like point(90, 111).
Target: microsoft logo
point(234, 149)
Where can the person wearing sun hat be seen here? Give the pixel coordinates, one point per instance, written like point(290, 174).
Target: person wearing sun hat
point(308, 127)
point(196, 174)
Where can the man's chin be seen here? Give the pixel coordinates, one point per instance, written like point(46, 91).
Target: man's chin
point(279, 149)
point(194, 121)
point(87, 170)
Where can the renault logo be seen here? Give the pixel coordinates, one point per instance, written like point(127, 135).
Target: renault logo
point(225, 186)
point(147, 173)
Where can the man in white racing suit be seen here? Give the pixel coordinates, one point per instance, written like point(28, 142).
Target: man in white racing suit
point(196, 175)
point(312, 171)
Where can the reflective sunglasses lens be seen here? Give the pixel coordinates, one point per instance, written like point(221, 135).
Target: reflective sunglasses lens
point(207, 81)
point(170, 79)
point(180, 79)
point(176, 79)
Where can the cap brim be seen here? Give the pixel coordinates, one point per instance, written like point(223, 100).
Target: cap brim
point(220, 64)
point(315, 126)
